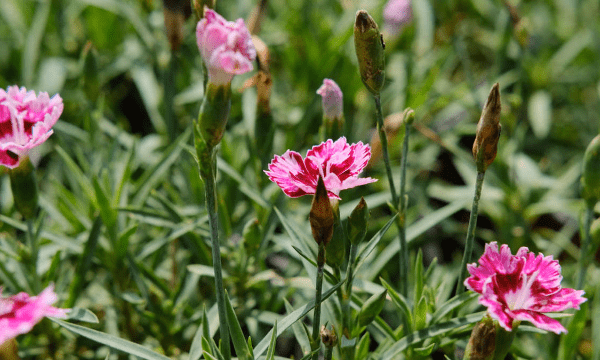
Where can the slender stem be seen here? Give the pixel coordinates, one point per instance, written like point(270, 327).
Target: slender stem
point(404, 262)
point(384, 147)
point(328, 352)
point(211, 207)
point(32, 243)
point(589, 217)
point(346, 308)
point(170, 91)
point(317, 314)
point(470, 232)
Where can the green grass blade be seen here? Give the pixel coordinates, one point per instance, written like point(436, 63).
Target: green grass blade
point(111, 341)
point(237, 336)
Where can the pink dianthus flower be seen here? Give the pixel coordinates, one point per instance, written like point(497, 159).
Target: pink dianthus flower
point(521, 287)
point(19, 313)
point(26, 121)
point(333, 105)
point(336, 162)
point(225, 46)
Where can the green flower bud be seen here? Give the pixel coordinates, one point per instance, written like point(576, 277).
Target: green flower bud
point(590, 180)
point(371, 308)
point(369, 46)
point(214, 113)
point(357, 222)
point(23, 184)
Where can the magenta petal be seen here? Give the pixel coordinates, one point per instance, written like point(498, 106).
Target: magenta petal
point(20, 312)
point(540, 320)
point(337, 162)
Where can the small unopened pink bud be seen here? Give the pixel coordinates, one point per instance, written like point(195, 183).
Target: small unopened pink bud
point(333, 105)
point(396, 14)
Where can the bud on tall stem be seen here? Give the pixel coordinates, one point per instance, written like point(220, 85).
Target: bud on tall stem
point(321, 215)
point(488, 131)
point(369, 46)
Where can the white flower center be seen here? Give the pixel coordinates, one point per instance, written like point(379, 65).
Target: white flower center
point(521, 298)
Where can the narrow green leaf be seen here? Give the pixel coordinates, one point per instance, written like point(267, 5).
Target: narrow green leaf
point(421, 313)
point(299, 333)
point(203, 332)
point(237, 336)
point(84, 262)
point(362, 349)
point(418, 274)
point(34, 41)
point(394, 351)
point(372, 244)
point(152, 176)
point(111, 341)
point(271, 350)
point(289, 320)
point(312, 261)
point(402, 304)
point(76, 173)
point(568, 341)
point(452, 304)
point(426, 350)
point(244, 188)
point(81, 314)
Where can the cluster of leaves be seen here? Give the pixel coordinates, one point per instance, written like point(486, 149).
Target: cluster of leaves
point(124, 231)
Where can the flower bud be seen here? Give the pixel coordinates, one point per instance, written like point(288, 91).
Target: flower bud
point(488, 131)
point(328, 337)
point(9, 350)
point(590, 180)
point(371, 308)
point(174, 13)
point(321, 215)
point(23, 184)
point(333, 109)
point(369, 46)
point(357, 222)
point(482, 344)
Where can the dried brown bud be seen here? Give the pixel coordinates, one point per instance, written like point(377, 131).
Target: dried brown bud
point(369, 47)
point(321, 215)
point(256, 17)
point(482, 344)
point(488, 130)
point(328, 337)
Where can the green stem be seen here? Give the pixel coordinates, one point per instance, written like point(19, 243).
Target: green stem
point(589, 217)
point(346, 303)
point(32, 244)
point(470, 231)
point(317, 314)
point(170, 91)
point(384, 147)
point(404, 262)
point(328, 352)
point(211, 207)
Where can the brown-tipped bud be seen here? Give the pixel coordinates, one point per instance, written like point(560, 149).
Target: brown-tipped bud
point(590, 179)
point(173, 11)
point(482, 344)
point(357, 222)
point(328, 337)
point(488, 131)
point(369, 46)
point(321, 215)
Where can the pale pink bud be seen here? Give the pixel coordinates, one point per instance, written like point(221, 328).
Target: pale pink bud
point(333, 105)
point(396, 14)
point(226, 47)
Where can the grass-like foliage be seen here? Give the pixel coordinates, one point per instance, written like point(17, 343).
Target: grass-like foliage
point(196, 199)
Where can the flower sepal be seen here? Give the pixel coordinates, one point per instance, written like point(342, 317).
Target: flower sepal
point(23, 184)
point(489, 340)
point(214, 113)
